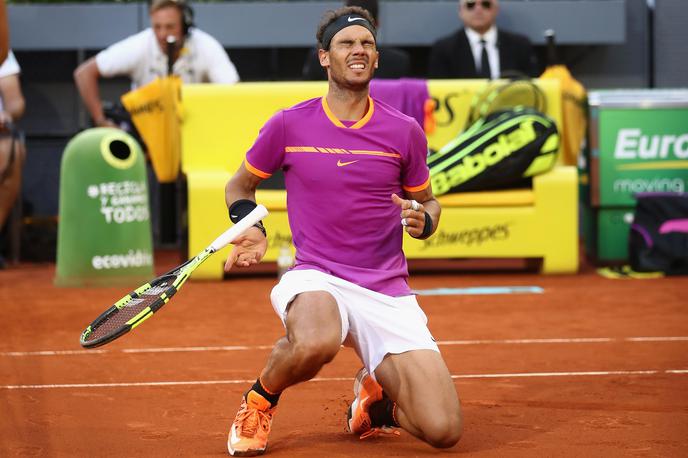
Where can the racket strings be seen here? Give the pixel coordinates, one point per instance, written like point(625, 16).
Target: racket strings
point(121, 316)
point(505, 96)
point(516, 95)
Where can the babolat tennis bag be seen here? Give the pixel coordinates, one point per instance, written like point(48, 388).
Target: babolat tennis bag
point(501, 149)
point(658, 241)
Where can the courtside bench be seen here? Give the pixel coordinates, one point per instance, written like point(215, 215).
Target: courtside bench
point(221, 122)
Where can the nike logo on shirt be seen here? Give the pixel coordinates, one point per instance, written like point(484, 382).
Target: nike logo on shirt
point(342, 164)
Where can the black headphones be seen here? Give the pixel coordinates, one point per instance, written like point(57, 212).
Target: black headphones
point(184, 8)
point(187, 16)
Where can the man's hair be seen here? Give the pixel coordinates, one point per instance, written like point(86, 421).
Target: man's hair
point(155, 5)
point(330, 16)
point(181, 5)
point(461, 2)
point(369, 5)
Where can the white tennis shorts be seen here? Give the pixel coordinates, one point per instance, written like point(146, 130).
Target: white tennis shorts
point(374, 324)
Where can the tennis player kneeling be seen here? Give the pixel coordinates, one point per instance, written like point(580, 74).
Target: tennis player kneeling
point(347, 158)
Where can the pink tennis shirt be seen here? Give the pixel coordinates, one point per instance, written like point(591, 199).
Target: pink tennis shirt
point(339, 177)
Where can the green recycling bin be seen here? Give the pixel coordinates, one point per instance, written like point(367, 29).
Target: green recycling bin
point(104, 232)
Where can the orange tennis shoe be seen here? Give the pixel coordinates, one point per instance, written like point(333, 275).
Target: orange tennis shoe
point(367, 391)
point(248, 435)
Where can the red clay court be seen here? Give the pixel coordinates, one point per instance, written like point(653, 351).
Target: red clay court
point(588, 367)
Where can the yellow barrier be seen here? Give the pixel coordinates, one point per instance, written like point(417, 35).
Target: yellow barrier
point(222, 121)
point(537, 223)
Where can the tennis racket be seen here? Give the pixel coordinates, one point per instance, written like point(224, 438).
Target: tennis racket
point(140, 304)
point(499, 95)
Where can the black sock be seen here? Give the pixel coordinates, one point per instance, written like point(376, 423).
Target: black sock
point(382, 413)
point(258, 387)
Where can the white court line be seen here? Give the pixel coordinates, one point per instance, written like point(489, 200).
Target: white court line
point(560, 340)
point(648, 339)
point(185, 349)
point(538, 341)
point(345, 379)
point(53, 352)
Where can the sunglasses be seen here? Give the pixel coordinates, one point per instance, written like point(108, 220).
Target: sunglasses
point(485, 4)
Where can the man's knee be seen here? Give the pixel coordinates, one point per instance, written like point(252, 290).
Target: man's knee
point(315, 352)
point(443, 431)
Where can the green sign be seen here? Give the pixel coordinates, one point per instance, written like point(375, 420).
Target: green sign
point(642, 150)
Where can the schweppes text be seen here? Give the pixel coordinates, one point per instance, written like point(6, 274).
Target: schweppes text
point(148, 108)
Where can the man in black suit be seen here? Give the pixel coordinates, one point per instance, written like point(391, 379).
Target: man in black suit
point(480, 50)
point(392, 62)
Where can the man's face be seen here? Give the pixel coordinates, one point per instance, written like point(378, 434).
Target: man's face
point(352, 57)
point(478, 15)
point(165, 22)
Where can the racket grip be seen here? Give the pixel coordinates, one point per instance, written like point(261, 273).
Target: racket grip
point(239, 228)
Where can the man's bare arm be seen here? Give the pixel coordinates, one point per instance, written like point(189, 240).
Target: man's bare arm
point(86, 77)
point(250, 248)
point(242, 185)
point(414, 219)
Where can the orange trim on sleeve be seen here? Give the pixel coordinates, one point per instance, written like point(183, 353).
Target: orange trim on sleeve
point(417, 188)
point(257, 172)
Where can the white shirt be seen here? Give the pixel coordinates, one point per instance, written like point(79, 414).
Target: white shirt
point(490, 38)
point(202, 60)
point(8, 68)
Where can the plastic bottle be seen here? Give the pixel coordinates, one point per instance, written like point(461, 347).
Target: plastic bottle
point(284, 261)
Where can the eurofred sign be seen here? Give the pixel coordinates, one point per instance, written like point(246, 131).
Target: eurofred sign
point(642, 150)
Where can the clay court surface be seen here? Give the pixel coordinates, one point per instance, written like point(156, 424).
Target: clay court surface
point(589, 367)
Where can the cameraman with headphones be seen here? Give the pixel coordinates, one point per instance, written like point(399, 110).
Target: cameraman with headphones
point(197, 57)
